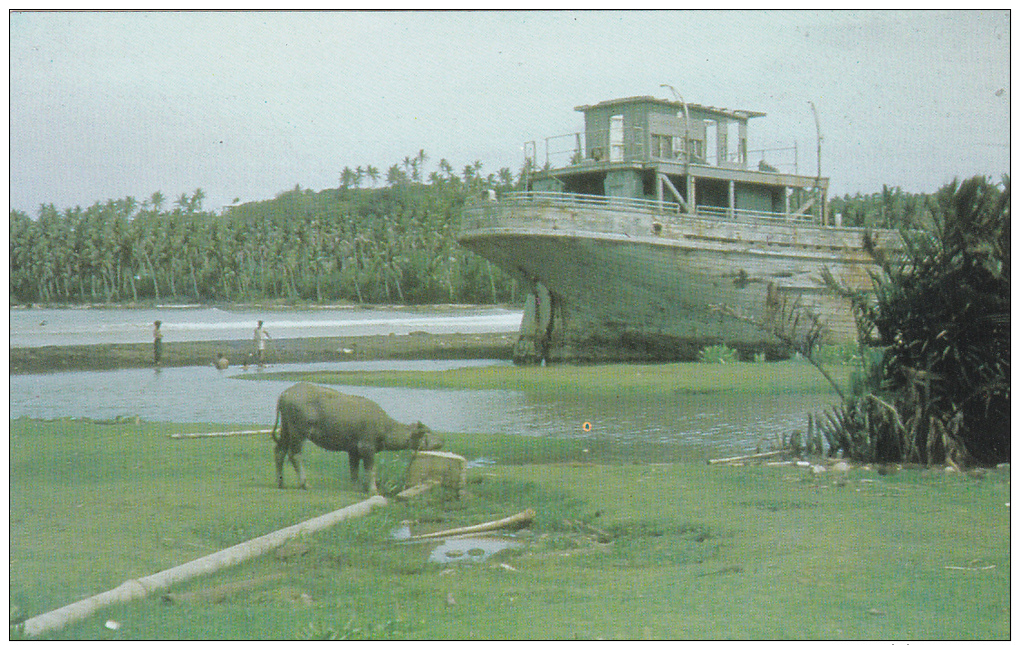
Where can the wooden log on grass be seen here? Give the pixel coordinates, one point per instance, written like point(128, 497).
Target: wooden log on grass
point(417, 489)
point(142, 587)
point(760, 455)
point(231, 433)
point(523, 518)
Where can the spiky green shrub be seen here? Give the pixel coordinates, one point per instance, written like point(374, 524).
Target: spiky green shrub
point(939, 391)
point(718, 354)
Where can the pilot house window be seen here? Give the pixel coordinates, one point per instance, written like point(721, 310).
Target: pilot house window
point(616, 138)
point(662, 146)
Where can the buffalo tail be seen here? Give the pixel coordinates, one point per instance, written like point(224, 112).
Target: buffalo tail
point(276, 424)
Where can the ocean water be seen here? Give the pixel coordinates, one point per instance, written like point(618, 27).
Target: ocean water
point(41, 327)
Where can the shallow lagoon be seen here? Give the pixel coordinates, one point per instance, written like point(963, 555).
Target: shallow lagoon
point(696, 425)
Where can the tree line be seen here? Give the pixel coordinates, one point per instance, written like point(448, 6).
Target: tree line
point(394, 244)
point(891, 208)
point(356, 243)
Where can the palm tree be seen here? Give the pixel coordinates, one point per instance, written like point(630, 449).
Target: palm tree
point(373, 173)
point(182, 201)
point(347, 178)
point(129, 205)
point(395, 175)
point(195, 203)
point(506, 178)
point(420, 164)
point(157, 199)
point(446, 168)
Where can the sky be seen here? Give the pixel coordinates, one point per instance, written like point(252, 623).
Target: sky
point(246, 105)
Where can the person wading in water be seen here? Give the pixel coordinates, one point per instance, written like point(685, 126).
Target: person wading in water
point(260, 345)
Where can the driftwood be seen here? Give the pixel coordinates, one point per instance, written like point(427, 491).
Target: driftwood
point(408, 493)
point(521, 519)
point(142, 587)
point(760, 455)
point(207, 435)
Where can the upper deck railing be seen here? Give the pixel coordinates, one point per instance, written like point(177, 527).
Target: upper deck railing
point(572, 149)
point(492, 214)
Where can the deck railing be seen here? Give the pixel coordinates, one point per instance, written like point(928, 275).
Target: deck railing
point(486, 214)
point(573, 148)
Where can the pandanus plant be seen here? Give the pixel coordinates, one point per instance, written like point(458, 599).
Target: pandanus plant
point(938, 391)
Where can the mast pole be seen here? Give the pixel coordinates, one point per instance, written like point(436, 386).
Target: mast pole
point(818, 179)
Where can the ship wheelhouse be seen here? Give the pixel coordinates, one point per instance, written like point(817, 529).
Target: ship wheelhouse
point(692, 159)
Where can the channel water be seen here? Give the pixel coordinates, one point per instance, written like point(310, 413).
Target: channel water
point(675, 426)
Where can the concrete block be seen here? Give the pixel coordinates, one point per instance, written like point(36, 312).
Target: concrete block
point(445, 467)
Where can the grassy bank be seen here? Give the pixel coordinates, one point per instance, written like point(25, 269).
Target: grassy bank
point(686, 550)
point(414, 346)
point(600, 381)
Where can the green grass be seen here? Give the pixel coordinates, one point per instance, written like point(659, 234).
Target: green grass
point(693, 551)
point(759, 379)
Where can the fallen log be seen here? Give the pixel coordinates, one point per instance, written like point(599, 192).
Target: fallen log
point(760, 455)
point(418, 489)
point(142, 587)
point(523, 518)
point(206, 435)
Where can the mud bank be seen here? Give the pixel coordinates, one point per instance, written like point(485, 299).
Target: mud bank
point(413, 346)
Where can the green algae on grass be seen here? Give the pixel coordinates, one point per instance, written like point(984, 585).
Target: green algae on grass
point(759, 379)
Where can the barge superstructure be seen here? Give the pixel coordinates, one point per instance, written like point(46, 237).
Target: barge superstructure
point(655, 220)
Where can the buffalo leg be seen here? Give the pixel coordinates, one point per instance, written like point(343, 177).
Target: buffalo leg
point(369, 458)
point(295, 460)
point(280, 454)
point(353, 461)
point(293, 452)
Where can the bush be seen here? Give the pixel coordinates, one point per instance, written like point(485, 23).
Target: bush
point(718, 354)
point(939, 390)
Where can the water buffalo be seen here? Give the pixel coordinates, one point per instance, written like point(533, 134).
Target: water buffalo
point(336, 421)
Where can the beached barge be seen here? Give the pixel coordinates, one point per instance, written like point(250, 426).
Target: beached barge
point(654, 220)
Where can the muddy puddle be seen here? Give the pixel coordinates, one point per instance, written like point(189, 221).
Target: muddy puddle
point(469, 549)
point(472, 549)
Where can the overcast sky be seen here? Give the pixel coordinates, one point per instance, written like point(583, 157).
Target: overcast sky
point(246, 105)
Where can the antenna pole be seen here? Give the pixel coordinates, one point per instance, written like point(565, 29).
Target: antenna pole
point(818, 180)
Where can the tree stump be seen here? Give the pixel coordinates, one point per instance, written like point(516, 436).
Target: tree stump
point(446, 468)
